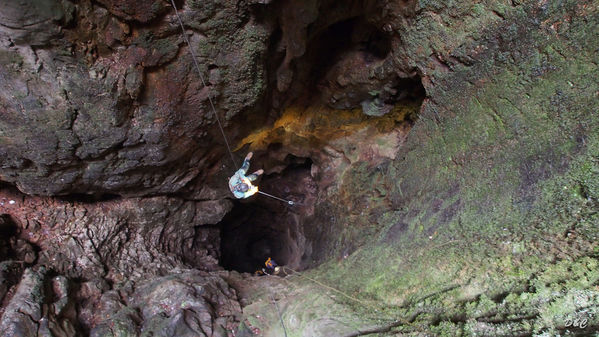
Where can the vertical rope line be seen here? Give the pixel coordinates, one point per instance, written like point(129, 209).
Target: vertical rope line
point(279, 313)
point(195, 62)
point(220, 126)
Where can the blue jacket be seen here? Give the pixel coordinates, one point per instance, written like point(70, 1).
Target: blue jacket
point(238, 178)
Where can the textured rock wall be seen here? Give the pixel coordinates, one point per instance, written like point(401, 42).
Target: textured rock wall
point(96, 104)
point(485, 221)
point(456, 194)
point(106, 99)
point(120, 239)
point(92, 267)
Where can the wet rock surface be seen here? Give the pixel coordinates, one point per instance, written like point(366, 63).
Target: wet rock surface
point(23, 314)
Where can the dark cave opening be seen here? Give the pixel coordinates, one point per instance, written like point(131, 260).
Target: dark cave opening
point(13, 246)
point(353, 34)
point(262, 227)
point(8, 230)
point(346, 66)
point(405, 89)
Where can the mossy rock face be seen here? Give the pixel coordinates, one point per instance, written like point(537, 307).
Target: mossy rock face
point(492, 227)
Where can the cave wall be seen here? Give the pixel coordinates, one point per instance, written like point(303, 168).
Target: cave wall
point(118, 239)
point(102, 97)
point(485, 221)
point(454, 193)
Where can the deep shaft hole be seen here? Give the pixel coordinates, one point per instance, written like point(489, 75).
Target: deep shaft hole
point(262, 227)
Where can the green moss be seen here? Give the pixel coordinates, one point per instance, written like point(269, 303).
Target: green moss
point(11, 58)
point(494, 203)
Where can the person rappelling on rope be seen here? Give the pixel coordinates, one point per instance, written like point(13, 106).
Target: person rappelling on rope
point(240, 184)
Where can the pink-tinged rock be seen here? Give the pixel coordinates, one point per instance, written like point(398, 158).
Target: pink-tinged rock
point(142, 11)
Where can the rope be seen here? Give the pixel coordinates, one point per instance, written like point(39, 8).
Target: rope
point(289, 202)
point(381, 329)
point(220, 126)
point(393, 322)
point(195, 62)
point(279, 313)
point(329, 287)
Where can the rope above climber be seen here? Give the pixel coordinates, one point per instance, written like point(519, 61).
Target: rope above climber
point(240, 184)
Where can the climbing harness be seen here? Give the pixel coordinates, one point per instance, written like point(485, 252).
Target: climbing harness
point(270, 263)
point(220, 126)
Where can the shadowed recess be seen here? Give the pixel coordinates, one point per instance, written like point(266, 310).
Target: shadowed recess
point(262, 227)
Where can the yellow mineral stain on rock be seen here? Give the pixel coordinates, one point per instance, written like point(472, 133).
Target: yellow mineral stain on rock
point(320, 125)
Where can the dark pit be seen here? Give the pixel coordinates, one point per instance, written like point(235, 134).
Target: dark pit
point(262, 227)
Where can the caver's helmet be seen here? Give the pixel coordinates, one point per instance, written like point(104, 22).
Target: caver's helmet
point(242, 188)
